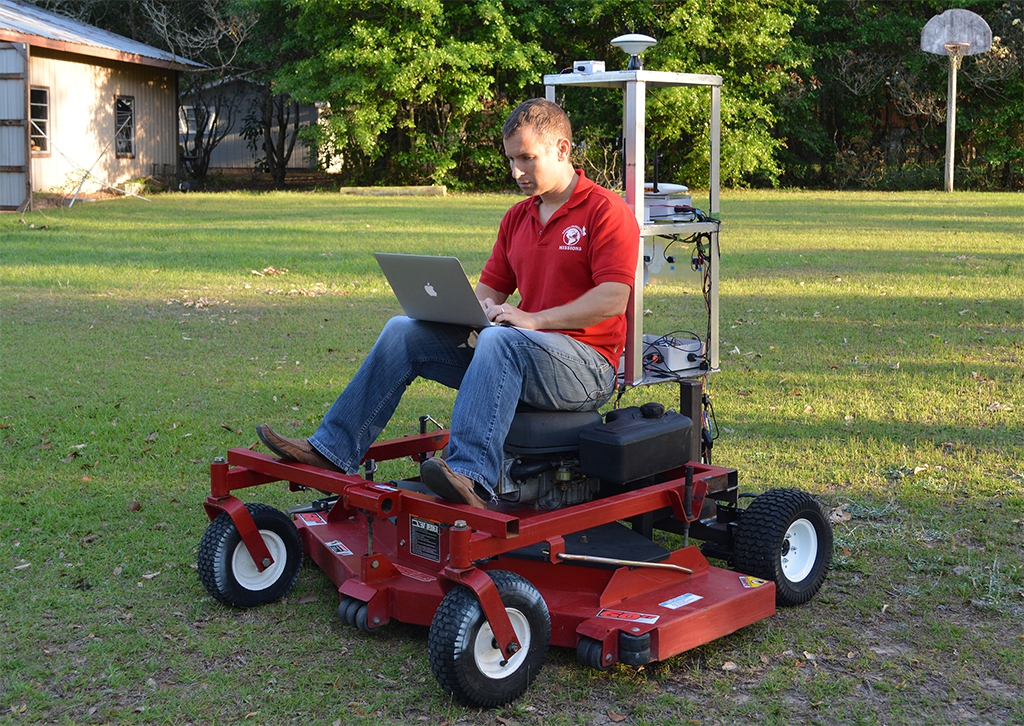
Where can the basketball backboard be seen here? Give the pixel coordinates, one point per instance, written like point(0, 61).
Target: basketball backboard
point(962, 28)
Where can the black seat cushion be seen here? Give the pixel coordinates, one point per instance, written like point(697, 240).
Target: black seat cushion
point(542, 432)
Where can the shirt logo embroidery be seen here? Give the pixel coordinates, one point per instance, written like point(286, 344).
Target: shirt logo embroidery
point(571, 238)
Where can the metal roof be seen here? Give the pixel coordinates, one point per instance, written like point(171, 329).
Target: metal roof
point(23, 23)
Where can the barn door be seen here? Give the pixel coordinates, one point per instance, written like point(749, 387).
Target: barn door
point(14, 159)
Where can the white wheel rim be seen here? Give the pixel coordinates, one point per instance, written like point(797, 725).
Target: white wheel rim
point(799, 550)
point(244, 568)
point(488, 657)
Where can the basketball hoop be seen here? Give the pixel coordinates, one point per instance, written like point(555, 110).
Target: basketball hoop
point(955, 33)
point(956, 53)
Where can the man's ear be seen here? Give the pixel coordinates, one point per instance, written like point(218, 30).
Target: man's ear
point(564, 148)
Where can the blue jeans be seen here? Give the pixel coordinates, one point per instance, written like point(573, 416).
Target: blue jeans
point(494, 369)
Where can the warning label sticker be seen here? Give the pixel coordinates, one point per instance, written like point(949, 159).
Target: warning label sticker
point(338, 547)
point(312, 519)
point(628, 617)
point(681, 601)
point(425, 539)
point(751, 582)
point(415, 574)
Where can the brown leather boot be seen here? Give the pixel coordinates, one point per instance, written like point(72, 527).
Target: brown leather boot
point(450, 485)
point(299, 450)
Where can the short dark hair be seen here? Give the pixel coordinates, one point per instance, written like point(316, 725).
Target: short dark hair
point(546, 118)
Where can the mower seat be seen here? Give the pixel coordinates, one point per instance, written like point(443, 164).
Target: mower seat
point(536, 432)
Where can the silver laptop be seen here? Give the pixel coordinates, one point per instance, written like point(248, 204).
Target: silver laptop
point(435, 289)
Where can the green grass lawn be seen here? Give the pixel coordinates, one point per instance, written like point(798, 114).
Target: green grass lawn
point(872, 354)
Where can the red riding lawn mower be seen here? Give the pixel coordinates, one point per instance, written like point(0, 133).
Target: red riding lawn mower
point(569, 556)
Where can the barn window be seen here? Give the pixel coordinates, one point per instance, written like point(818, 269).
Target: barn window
point(39, 115)
point(124, 125)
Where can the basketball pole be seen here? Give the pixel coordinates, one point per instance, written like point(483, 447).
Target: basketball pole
point(950, 121)
point(956, 52)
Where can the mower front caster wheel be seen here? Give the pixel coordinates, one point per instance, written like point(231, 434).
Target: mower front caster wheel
point(590, 654)
point(784, 536)
point(464, 654)
point(353, 613)
point(228, 571)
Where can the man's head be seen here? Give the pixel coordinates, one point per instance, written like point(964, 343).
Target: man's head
point(538, 138)
point(547, 119)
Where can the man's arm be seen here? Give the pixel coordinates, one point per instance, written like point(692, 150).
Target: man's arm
point(592, 307)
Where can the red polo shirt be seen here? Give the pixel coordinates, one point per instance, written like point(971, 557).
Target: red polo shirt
point(592, 238)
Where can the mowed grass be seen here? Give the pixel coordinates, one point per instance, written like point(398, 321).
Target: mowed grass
point(872, 350)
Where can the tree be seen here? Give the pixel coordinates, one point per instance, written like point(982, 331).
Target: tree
point(414, 87)
point(747, 42)
point(208, 105)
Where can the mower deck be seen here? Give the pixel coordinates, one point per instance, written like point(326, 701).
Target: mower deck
point(398, 551)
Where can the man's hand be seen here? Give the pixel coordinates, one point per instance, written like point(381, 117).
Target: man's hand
point(600, 303)
point(505, 314)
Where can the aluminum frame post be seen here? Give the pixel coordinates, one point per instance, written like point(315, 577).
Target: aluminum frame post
point(634, 113)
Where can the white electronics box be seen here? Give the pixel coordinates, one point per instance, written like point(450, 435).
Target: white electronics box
point(590, 66)
point(668, 355)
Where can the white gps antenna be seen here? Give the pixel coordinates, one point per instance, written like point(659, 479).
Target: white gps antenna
point(633, 44)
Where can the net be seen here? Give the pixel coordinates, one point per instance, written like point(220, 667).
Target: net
point(956, 53)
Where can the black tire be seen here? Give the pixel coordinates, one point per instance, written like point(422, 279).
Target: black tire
point(590, 654)
point(228, 572)
point(784, 536)
point(464, 656)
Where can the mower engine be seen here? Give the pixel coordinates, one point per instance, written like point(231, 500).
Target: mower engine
point(556, 459)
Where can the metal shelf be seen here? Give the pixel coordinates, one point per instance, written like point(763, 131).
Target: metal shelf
point(634, 85)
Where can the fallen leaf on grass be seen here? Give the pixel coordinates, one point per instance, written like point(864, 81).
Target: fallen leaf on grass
point(838, 515)
point(151, 575)
point(809, 656)
point(997, 406)
point(729, 666)
point(89, 539)
point(135, 506)
point(23, 567)
point(615, 717)
point(306, 599)
point(152, 437)
point(70, 457)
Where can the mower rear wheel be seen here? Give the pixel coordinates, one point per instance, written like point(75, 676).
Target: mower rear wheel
point(464, 654)
point(228, 571)
point(784, 536)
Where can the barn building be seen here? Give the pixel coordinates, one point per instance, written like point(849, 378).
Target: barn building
point(81, 104)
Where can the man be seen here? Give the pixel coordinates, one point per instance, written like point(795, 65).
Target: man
point(570, 250)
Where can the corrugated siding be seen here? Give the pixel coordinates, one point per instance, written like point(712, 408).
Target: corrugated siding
point(82, 94)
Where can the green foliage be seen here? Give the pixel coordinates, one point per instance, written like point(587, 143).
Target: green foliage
point(822, 93)
point(407, 82)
